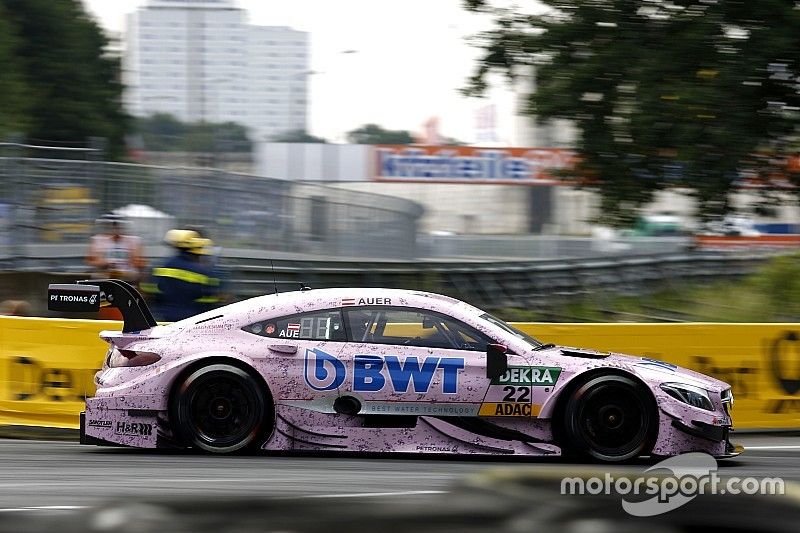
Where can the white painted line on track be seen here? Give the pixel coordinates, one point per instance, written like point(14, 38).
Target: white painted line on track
point(308, 496)
point(375, 494)
point(779, 447)
point(43, 508)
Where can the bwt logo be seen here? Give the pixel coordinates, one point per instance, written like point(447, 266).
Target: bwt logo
point(371, 373)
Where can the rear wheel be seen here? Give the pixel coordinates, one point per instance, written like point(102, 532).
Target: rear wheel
point(220, 409)
point(610, 418)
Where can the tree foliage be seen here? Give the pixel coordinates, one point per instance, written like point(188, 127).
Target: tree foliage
point(663, 93)
point(71, 91)
point(297, 136)
point(163, 132)
point(12, 89)
point(374, 134)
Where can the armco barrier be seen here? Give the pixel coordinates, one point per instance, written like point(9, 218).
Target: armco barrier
point(47, 365)
point(760, 361)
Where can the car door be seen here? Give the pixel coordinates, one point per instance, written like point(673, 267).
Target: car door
point(301, 353)
point(408, 361)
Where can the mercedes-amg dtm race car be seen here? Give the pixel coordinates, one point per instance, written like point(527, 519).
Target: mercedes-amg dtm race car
point(381, 370)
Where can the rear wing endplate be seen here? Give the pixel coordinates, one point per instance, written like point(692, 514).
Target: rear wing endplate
point(86, 296)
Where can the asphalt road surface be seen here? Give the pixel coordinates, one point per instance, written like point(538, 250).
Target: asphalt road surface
point(64, 477)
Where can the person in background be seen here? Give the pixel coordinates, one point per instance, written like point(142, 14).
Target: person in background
point(113, 254)
point(15, 308)
point(185, 285)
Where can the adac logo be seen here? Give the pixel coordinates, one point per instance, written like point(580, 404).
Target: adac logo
point(371, 373)
point(323, 371)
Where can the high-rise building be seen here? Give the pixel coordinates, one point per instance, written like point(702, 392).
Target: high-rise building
point(201, 61)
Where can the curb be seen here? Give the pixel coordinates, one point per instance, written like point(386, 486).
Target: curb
point(39, 433)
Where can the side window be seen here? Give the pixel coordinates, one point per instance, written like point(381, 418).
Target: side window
point(316, 326)
point(413, 327)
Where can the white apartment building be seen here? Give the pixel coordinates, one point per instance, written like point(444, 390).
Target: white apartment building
point(201, 60)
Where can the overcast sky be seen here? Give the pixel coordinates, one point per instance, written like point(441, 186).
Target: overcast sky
point(412, 57)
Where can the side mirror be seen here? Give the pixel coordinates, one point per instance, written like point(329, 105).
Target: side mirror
point(496, 360)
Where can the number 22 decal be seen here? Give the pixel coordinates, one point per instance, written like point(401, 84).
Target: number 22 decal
point(516, 394)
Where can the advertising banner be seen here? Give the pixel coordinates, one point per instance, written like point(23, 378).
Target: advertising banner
point(760, 361)
point(467, 164)
point(47, 366)
point(47, 369)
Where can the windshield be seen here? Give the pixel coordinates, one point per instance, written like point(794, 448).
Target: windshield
point(514, 331)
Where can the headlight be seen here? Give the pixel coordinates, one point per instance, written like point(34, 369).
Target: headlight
point(694, 396)
point(727, 400)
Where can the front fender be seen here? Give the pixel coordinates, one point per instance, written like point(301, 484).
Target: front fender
point(567, 384)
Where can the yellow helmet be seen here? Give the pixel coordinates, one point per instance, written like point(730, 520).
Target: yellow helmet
point(189, 240)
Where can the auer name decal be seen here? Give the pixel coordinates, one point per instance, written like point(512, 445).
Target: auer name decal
point(366, 301)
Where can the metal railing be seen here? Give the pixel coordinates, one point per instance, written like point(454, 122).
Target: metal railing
point(57, 201)
point(532, 285)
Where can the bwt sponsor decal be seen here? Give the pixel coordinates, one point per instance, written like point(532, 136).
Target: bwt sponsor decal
point(137, 429)
point(536, 376)
point(371, 373)
point(323, 371)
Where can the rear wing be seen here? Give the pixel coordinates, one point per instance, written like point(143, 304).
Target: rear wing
point(87, 296)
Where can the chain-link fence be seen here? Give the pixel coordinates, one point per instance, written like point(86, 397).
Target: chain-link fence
point(58, 200)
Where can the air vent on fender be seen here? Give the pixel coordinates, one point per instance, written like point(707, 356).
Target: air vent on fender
point(587, 354)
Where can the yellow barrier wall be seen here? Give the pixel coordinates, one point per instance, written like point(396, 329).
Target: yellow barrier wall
point(47, 368)
point(47, 365)
point(760, 361)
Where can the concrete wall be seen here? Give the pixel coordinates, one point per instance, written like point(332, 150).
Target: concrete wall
point(460, 208)
point(314, 162)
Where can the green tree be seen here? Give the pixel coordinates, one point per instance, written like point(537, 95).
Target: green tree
point(163, 132)
point(663, 93)
point(374, 134)
point(297, 136)
point(13, 110)
point(74, 89)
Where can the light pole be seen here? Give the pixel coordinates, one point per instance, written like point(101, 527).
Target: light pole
point(290, 126)
point(340, 108)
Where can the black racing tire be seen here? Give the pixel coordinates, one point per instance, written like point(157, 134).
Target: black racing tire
point(610, 418)
point(221, 409)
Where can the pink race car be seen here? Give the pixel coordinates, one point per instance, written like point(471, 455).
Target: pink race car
point(381, 370)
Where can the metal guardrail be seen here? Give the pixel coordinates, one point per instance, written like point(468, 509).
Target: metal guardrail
point(521, 247)
point(533, 285)
point(57, 201)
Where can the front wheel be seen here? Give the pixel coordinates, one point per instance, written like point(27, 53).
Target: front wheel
point(220, 409)
point(611, 418)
